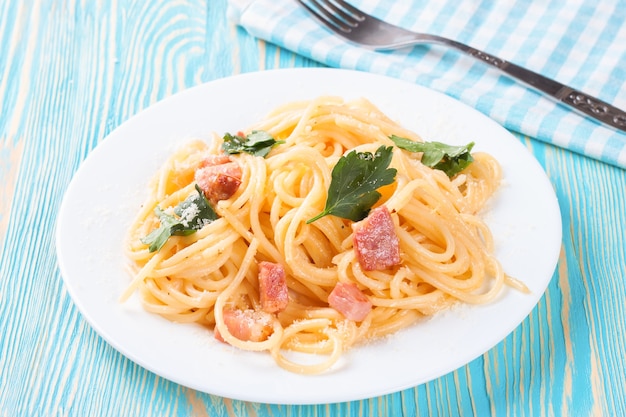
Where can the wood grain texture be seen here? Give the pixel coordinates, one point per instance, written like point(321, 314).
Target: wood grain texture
point(72, 71)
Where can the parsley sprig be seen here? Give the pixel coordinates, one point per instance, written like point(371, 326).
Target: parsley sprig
point(257, 143)
point(447, 158)
point(354, 181)
point(190, 216)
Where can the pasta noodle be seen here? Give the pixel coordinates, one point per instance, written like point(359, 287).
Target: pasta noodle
point(446, 249)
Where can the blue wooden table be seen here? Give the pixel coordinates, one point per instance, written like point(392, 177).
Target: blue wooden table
point(71, 72)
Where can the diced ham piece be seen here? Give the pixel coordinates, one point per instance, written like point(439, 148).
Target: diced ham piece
point(347, 299)
point(273, 290)
point(247, 325)
point(212, 160)
point(218, 177)
point(376, 243)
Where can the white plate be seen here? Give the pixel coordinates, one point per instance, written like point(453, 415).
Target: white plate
point(107, 190)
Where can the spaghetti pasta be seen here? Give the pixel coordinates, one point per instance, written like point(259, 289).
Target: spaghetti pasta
point(446, 250)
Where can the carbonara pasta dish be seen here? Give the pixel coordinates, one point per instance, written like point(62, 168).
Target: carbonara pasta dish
point(324, 225)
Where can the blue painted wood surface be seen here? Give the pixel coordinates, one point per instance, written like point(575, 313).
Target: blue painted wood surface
point(72, 71)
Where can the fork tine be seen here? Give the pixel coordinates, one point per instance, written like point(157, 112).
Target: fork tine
point(355, 13)
point(330, 14)
point(346, 12)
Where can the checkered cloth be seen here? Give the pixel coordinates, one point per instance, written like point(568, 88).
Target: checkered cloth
point(580, 43)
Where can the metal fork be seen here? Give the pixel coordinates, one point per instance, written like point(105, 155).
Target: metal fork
point(367, 31)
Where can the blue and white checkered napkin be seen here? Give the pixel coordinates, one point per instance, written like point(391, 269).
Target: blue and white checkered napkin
point(581, 43)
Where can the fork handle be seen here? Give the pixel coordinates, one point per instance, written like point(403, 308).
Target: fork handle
point(579, 101)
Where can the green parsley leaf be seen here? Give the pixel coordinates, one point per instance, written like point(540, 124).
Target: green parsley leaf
point(157, 238)
point(354, 181)
point(190, 215)
point(447, 158)
point(257, 143)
